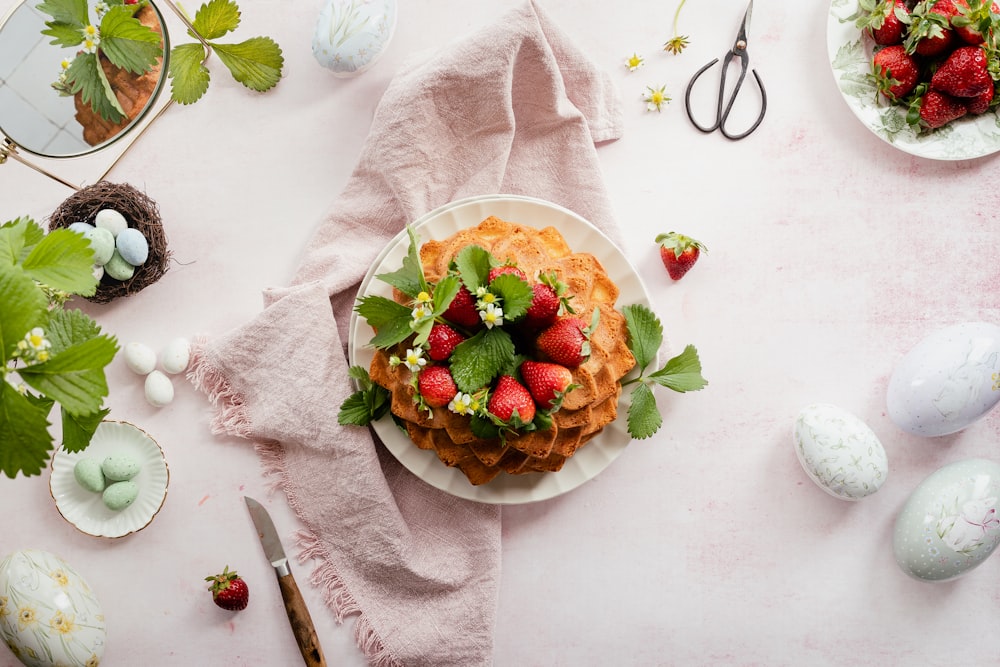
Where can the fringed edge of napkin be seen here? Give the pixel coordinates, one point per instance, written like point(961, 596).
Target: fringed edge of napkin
point(230, 418)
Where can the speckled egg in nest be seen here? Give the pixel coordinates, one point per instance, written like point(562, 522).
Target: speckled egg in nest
point(140, 212)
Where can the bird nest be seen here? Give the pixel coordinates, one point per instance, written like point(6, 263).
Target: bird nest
point(140, 212)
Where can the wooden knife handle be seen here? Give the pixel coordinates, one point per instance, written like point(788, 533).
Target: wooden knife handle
point(301, 622)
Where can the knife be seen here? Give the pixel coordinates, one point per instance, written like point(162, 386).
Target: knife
point(295, 606)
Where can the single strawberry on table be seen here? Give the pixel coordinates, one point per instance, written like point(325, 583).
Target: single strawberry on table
point(547, 382)
point(510, 397)
point(229, 591)
point(679, 253)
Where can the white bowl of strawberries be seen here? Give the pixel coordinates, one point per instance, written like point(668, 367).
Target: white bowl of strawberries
point(920, 75)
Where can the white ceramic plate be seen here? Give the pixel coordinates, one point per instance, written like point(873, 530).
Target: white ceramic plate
point(582, 237)
point(850, 58)
point(85, 509)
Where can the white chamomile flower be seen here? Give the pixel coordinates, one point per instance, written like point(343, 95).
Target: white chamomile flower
point(415, 360)
point(421, 312)
point(461, 404)
point(492, 316)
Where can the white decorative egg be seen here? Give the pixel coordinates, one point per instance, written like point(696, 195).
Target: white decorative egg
point(159, 389)
point(351, 35)
point(949, 524)
point(839, 452)
point(48, 613)
point(139, 358)
point(947, 381)
point(175, 356)
point(111, 220)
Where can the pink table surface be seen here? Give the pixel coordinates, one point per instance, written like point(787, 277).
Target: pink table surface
point(830, 254)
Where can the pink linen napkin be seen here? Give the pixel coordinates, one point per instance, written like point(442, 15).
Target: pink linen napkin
point(515, 108)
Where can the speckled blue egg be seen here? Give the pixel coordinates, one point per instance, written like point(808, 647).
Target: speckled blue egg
point(132, 246)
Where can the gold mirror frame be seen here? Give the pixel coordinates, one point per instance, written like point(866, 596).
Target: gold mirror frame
point(9, 149)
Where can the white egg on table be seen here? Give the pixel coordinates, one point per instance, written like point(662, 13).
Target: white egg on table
point(947, 381)
point(174, 357)
point(949, 525)
point(48, 613)
point(140, 358)
point(350, 36)
point(159, 389)
point(839, 452)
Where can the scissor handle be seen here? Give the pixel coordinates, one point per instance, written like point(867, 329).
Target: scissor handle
point(724, 107)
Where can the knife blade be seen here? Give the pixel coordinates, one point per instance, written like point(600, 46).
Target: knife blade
point(295, 605)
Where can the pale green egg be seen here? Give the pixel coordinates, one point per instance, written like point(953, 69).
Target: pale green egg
point(89, 475)
point(120, 495)
point(119, 467)
point(118, 268)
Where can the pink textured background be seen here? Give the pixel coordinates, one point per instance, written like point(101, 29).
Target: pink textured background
point(830, 255)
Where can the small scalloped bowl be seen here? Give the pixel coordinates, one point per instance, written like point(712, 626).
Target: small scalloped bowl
point(85, 509)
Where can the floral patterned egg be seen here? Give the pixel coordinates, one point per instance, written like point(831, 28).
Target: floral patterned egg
point(839, 452)
point(352, 34)
point(48, 614)
point(947, 381)
point(949, 524)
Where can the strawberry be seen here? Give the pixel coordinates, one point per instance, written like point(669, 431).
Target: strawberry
point(229, 591)
point(506, 268)
point(509, 397)
point(973, 23)
point(462, 309)
point(679, 253)
point(938, 109)
point(548, 383)
point(930, 32)
point(549, 301)
point(566, 342)
point(894, 72)
point(436, 386)
point(442, 341)
point(964, 73)
point(979, 104)
point(881, 20)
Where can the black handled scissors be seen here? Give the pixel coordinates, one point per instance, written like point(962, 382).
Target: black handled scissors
point(739, 50)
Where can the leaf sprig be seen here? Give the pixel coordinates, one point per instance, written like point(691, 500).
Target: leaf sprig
point(681, 373)
point(38, 272)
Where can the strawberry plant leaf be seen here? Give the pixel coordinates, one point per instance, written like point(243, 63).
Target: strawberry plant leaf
point(69, 17)
point(69, 327)
point(188, 75)
point(63, 260)
point(128, 43)
point(86, 76)
point(16, 238)
point(473, 264)
point(380, 311)
point(256, 62)
point(409, 278)
point(77, 430)
point(75, 376)
point(515, 295)
point(476, 361)
point(643, 416)
point(216, 18)
point(682, 373)
point(444, 292)
point(368, 404)
point(645, 334)
point(22, 306)
point(25, 441)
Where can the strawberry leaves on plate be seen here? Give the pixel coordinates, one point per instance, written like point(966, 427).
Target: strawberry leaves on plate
point(681, 373)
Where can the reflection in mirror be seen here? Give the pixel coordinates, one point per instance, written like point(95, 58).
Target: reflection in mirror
point(55, 78)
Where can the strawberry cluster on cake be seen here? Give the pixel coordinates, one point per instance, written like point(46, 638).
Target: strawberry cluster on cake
point(501, 349)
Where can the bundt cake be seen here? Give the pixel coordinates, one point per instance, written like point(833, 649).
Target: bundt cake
point(494, 302)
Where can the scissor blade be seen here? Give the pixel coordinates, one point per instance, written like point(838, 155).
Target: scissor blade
point(741, 37)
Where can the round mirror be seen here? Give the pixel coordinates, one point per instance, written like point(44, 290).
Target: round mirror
point(76, 75)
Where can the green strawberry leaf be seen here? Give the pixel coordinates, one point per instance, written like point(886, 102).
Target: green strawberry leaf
point(63, 260)
point(256, 62)
point(368, 404)
point(75, 375)
point(86, 76)
point(69, 18)
point(645, 334)
point(484, 428)
point(643, 416)
point(25, 441)
point(444, 293)
point(188, 75)
point(77, 430)
point(392, 321)
point(477, 360)
point(22, 306)
point(216, 18)
point(409, 278)
point(473, 264)
point(514, 293)
point(16, 238)
point(682, 373)
point(128, 43)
